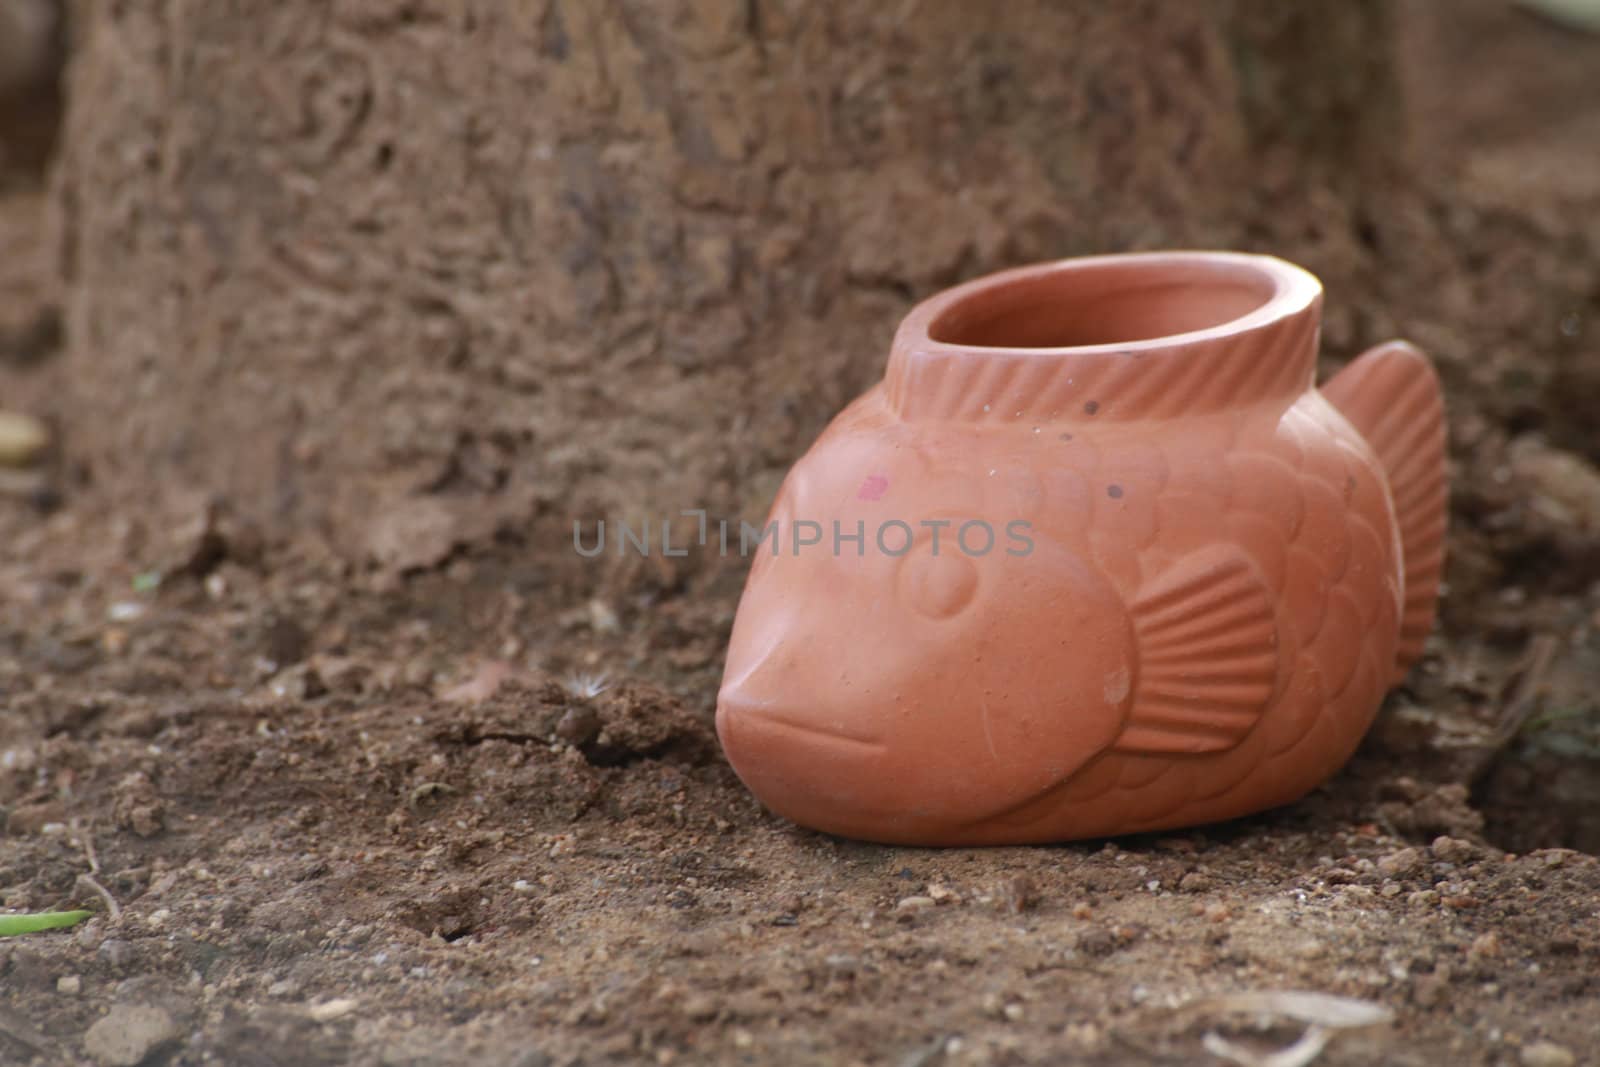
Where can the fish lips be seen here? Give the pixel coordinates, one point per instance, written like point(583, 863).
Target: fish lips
point(843, 783)
point(811, 774)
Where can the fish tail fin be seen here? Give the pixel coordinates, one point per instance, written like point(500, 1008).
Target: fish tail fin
point(1208, 656)
point(1392, 396)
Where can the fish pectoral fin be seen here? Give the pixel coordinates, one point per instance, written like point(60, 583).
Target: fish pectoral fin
point(1208, 656)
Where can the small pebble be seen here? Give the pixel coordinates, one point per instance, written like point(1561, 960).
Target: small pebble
point(914, 903)
point(69, 985)
point(1401, 863)
point(1084, 1034)
point(699, 1008)
point(1096, 941)
point(22, 439)
point(1428, 990)
point(328, 1010)
point(1020, 894)
point(129, 1033)
point(602, 618)
point(125, 611)
point(579, 725)
point(1194, 882)
point(115, 952)
point(1454, 850)
point(1546, 1054)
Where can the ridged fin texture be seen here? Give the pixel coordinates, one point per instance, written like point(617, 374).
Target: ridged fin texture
point(1392, 396)
point(1208, 656)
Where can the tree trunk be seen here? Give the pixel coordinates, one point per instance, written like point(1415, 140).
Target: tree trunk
point(346, 261)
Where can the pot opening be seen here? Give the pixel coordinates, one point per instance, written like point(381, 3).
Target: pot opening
point(1107, 303)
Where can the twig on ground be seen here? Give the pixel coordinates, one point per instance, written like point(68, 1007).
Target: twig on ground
point(1521, 697)
point(1526, 693)
point(86, 841)
point(425, 790)
point(1325, 1015)
point(112, 906)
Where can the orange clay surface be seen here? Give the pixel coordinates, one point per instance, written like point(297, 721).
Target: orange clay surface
point(1097, 557)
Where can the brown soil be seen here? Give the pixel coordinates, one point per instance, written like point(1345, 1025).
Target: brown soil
point(367, 814)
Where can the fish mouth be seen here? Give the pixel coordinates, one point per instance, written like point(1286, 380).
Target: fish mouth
point(845, 783)
point(768, 716)
point(810, 773)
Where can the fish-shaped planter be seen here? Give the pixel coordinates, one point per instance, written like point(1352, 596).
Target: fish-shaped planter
point(1096, 557)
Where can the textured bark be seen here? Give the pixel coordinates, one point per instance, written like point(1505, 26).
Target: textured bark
point(340, 261)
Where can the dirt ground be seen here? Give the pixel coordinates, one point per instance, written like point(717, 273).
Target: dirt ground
point(328, 813)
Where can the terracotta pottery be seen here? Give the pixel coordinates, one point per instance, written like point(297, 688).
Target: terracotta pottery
point(1096, 557)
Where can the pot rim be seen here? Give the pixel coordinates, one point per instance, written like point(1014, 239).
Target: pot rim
point(1287, 291)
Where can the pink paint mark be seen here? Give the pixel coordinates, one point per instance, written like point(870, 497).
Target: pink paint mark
point(873, 488)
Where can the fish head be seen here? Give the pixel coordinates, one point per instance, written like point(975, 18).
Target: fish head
point(911, 657)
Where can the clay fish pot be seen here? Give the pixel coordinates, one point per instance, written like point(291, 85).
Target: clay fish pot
point(1096, 557)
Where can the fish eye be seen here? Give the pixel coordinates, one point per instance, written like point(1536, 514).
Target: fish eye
point(938, 587)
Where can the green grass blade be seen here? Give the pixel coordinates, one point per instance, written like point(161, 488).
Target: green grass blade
point(11, 925)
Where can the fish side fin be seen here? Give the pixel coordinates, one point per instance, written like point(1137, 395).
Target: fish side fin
point(1208, 656)
point(1391, 395)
